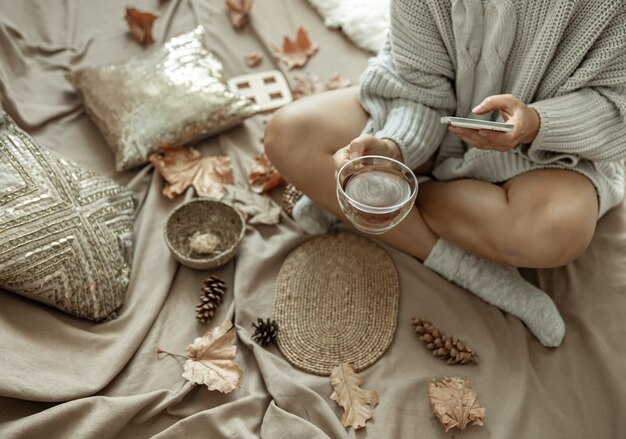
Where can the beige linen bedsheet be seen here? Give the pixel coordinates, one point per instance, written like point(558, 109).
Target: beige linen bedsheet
point(67, 378)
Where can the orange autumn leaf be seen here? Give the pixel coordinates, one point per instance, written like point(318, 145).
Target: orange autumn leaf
point(296, 53)
point(182, 167)
point(455, 403)
point(140, 25)
point(238, 12)
point(263, 175)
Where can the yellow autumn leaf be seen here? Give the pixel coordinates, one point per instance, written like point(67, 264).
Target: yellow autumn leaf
point(356, 402)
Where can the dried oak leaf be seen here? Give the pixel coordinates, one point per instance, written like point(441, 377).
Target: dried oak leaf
point(182, 167)
point(256, 208)
point(263, 175)
point(296, 53)
point(309, 84)
point(355, 401)
point(140, 25)
point(455, 403)
point(238, 12)
point(253, 59)
point(211, 360)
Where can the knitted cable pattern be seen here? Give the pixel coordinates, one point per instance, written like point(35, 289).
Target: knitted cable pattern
point(565, 58)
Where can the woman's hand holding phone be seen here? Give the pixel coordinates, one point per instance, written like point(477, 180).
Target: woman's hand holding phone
point(524, 118)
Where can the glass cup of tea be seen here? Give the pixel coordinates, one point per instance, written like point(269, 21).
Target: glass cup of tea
point(375, 192)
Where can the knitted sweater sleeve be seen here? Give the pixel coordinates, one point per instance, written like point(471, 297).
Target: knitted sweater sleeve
point(408, 86)
point(588, 122)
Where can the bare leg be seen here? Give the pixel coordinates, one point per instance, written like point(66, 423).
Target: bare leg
point(301, 140)
point(538, 219)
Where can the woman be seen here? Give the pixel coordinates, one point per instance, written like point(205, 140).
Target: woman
point(556, 69)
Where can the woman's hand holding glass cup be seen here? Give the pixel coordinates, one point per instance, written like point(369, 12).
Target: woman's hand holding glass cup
point(374, 189)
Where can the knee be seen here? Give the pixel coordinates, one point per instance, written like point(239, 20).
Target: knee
point(281, 135)
point(274, 138)
point(546, 237)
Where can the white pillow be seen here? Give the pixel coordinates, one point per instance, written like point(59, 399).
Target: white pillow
point(365, 22)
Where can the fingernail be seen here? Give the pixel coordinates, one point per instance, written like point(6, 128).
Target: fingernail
point(483, 133)
point(477, 108)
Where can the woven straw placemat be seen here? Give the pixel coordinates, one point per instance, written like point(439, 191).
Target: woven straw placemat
point(336, 302)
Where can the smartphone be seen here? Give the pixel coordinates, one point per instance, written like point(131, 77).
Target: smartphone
point(477, 124)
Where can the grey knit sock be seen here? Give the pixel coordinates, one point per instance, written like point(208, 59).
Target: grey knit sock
point(501, 286)
point(313, 219)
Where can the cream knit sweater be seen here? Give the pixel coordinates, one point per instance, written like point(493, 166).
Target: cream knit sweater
point(565, 58)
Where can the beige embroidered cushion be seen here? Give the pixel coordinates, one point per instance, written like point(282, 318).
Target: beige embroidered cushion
point(66, 234)
point(171, 95)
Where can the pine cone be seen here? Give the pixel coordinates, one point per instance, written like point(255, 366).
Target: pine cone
point(212, 293)
point(443, 346)
point(291, 195)
point(265, 332)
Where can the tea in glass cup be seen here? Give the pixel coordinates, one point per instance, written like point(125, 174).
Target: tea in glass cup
point(375, 192)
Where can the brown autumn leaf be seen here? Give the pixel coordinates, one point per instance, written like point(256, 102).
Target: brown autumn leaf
point(182, 167)
point(455, 403)
point(296, 53)
point(309, 84)
point(238, 12)
point(356, 402)
point(140, 25)
point(211, 360)
point(253, 59)
point(263, 175)
point(255, 208)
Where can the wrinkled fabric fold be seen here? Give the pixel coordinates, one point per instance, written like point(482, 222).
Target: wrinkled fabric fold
point(62, 377)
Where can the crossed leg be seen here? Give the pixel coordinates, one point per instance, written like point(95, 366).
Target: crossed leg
point(539, 219)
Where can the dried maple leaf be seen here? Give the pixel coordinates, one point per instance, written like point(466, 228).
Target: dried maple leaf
point(253, 59)
point(296, 53)
point(263, 175)
point(336, 81)
point(355, 401)
point(309, 84)
point(182, 167)
point(140, 25)
point(257, 209)
point(455, 403)
point(238, 12)
point(211, 360)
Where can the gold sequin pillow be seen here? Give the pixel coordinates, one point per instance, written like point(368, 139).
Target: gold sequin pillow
point(66, 234)
point(171, 95)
